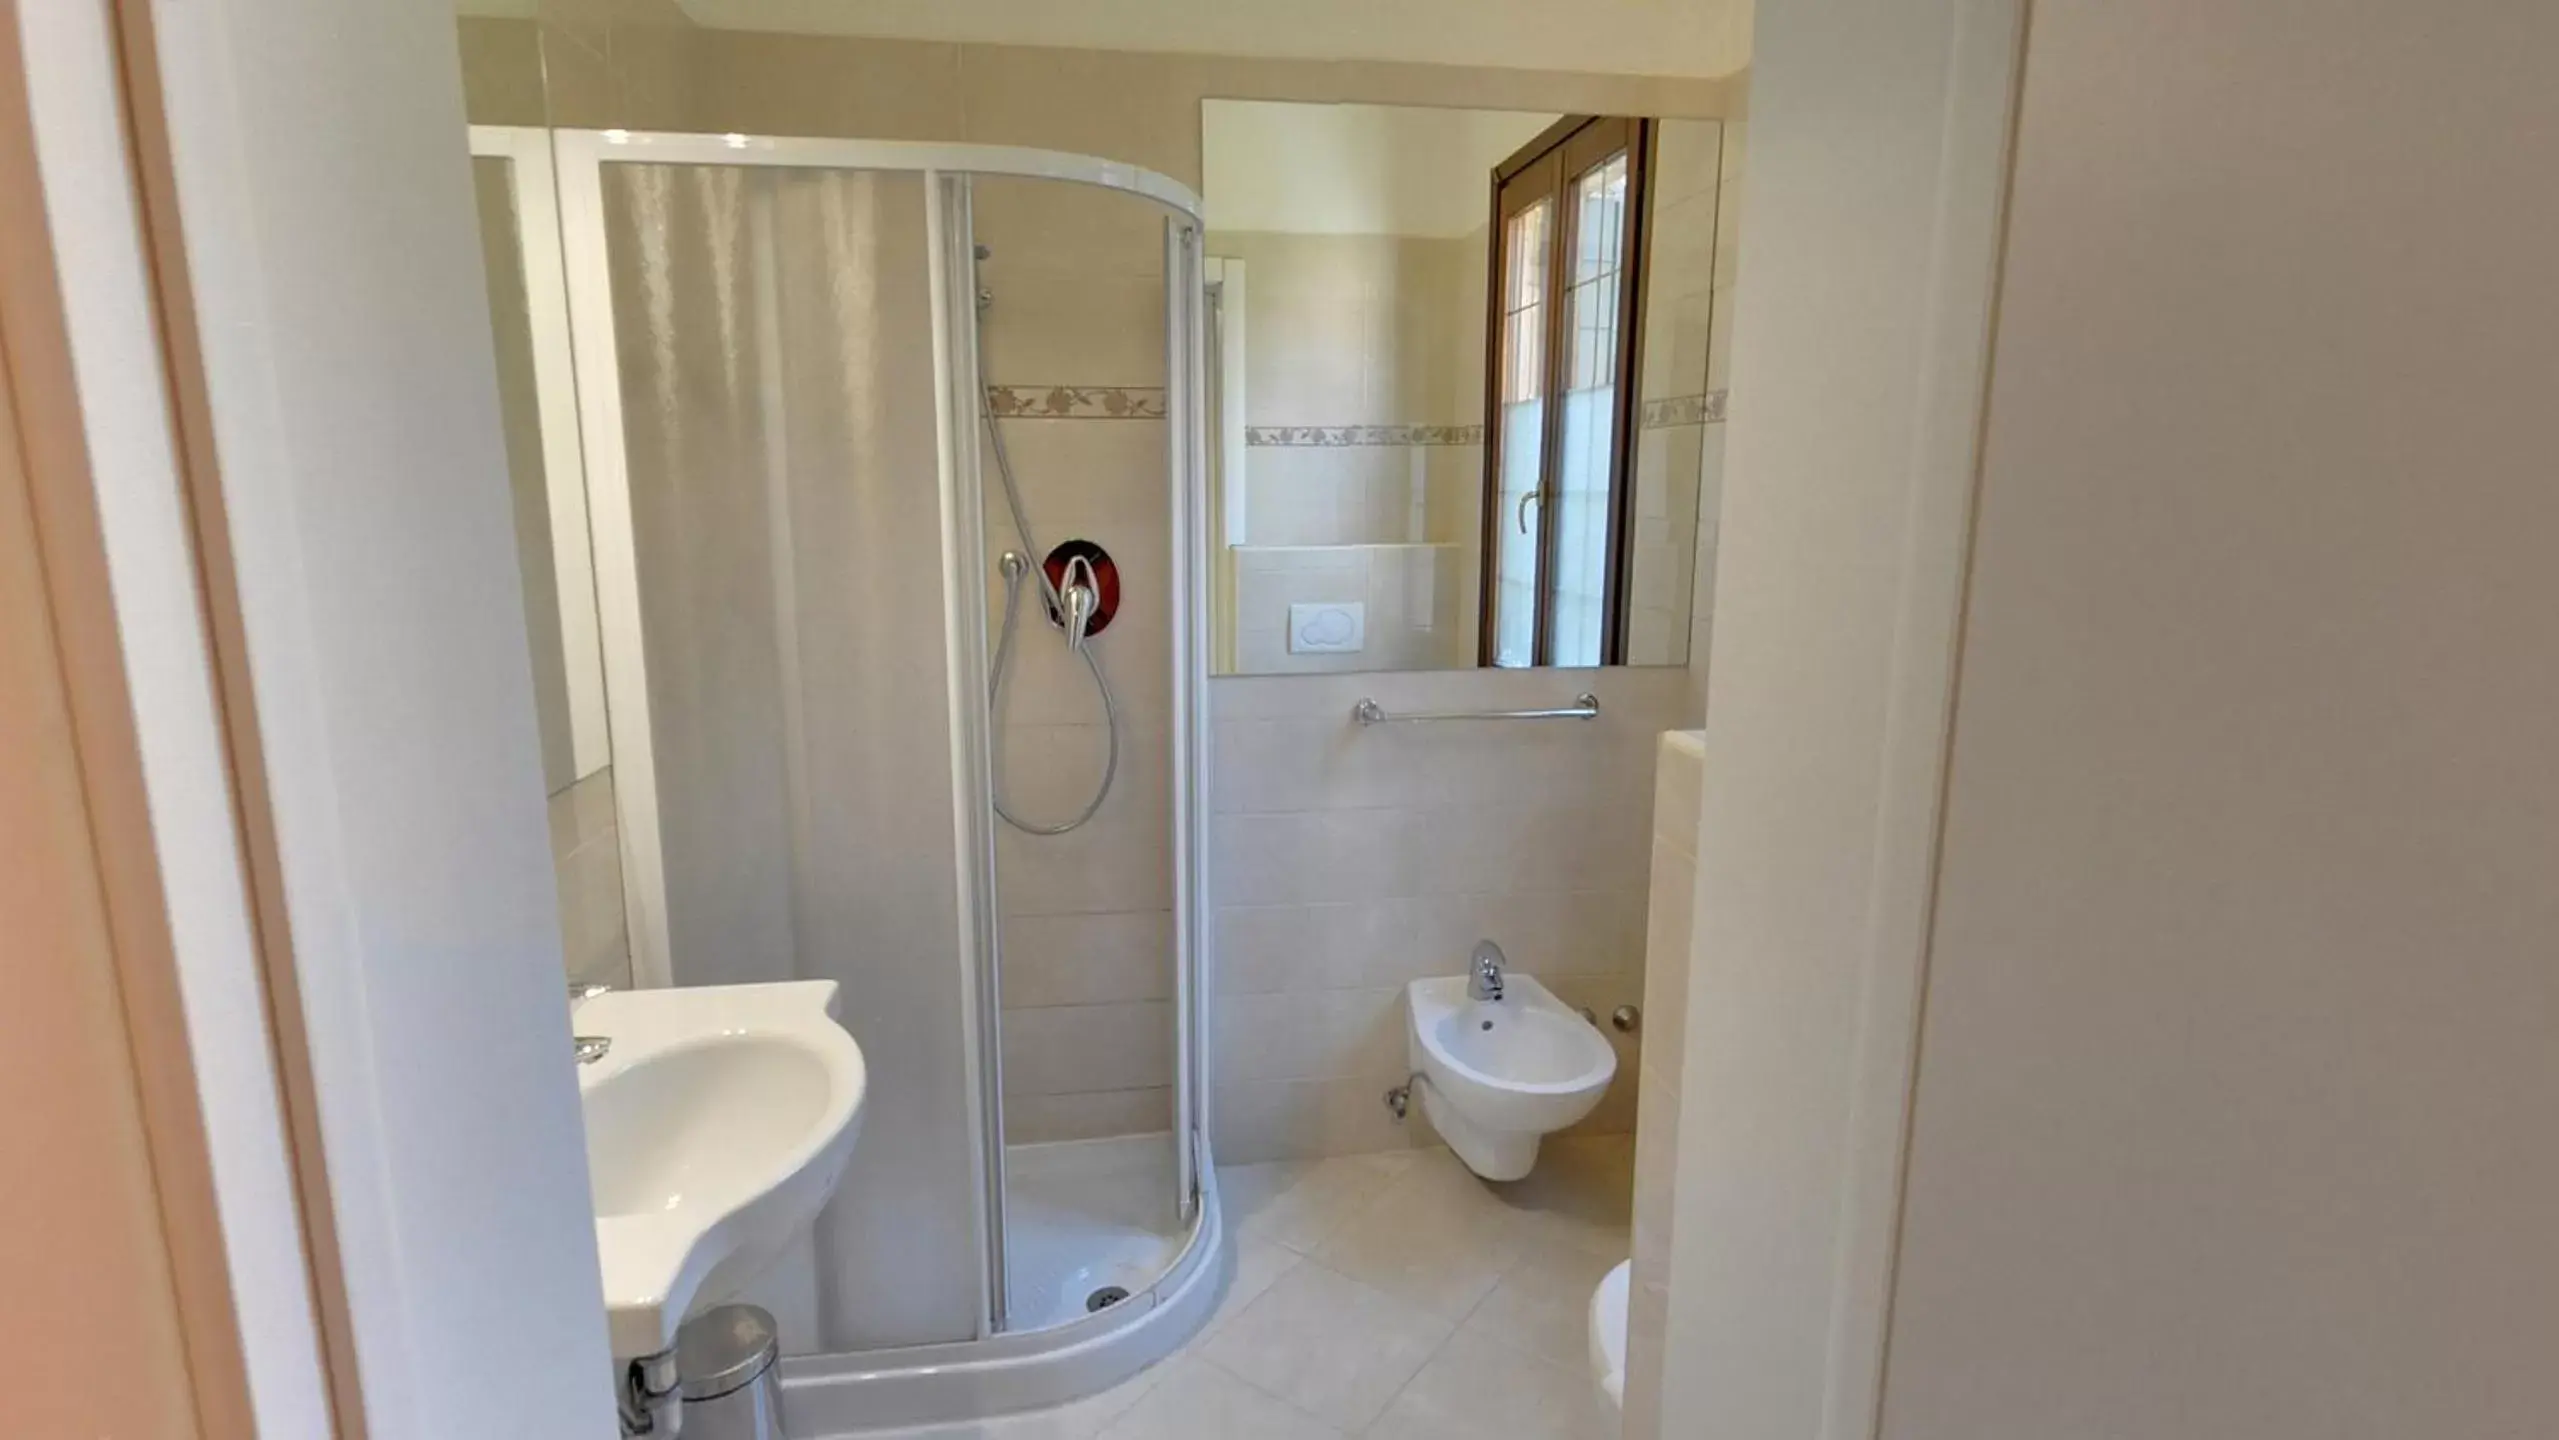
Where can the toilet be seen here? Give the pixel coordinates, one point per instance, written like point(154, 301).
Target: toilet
point(1497, 1076)
point(1608, 1338)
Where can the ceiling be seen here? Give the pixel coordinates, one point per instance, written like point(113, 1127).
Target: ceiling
point(1699, 38)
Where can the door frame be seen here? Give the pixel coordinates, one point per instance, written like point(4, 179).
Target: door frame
point(277, 316)
point(1877, 176)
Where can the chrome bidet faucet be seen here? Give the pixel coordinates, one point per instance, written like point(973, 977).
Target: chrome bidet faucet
point(1484, 973)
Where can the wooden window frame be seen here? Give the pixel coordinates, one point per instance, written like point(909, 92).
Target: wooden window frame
point(1566, 150)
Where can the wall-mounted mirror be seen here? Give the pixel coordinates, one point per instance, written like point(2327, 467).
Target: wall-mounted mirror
point(537, 404)
point(1461, 374)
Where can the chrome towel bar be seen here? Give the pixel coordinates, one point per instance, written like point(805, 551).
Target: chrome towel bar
point(1585, 706)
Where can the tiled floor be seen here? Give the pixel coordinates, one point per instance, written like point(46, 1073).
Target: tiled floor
point(1392, 1296)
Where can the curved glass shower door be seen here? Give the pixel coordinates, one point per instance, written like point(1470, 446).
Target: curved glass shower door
point(799, 541)
point(1070, 287)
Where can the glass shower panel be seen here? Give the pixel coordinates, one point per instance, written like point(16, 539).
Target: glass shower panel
point(775, 345)
point(1074, 361)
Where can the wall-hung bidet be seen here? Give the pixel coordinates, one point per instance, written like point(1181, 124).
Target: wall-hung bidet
point(1500, 1063)
point(718, 1121)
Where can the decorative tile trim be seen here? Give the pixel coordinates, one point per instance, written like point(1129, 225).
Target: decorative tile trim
point(1706, 409)
point(1077, 402)
point(1340, 436)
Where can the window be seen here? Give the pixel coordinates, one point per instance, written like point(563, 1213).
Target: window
point(1567, 271)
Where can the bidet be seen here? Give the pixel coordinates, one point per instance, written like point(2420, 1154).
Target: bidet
point(1498, 1075)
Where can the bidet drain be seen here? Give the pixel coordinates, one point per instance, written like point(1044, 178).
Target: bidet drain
point(1105, 1298)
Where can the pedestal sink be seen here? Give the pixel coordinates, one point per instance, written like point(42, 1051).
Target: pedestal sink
point(718, 1122)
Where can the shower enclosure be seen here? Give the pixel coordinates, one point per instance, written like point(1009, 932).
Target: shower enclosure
point(806, 540)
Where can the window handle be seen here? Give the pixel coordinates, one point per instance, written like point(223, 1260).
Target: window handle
point(1523, 508)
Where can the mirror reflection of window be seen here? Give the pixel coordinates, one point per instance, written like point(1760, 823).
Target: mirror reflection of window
point(1573, 268)
point(1434, 399)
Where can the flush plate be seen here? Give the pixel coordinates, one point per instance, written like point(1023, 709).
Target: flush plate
point(1328, 628)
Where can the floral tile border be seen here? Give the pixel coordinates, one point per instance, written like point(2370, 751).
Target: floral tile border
point(1340, 436)
point(1706, 409)
point(1077, 402)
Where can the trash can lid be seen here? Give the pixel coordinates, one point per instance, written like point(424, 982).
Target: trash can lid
point(723, 1349)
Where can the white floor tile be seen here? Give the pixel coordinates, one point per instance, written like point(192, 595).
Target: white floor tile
point(1542, 1305)
point(1258, 1265)
point(1436, 1238)
point(1582, 1193)
point(1197, 1399)
point(1304, 1213)
point(1329, 1344)
point(1475, 1388)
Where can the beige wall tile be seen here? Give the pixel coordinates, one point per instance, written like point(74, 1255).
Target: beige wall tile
point(1386, 82)
point(653, 55)
point(1076, 329)
point(1086, 1115)
point(1303, 1120)
point(501, 71)
point(1087, 959)
point(589, 22)
point(776, 84)
point(1123, 106)
point(578, 81)
point(1072, 1049)
point(1307, 1034)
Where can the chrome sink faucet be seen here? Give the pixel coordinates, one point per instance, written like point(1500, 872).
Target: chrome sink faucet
point(1484, 973)
point(590, 1048)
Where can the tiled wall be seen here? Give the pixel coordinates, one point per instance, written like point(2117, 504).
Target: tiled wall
point(1678, 792)
point(1350, 860)
point(1362, 386)
point(501, 71)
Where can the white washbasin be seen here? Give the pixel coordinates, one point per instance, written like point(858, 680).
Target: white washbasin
point(717, 1126)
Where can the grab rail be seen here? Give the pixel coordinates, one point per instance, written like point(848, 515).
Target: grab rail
point(1585, 706)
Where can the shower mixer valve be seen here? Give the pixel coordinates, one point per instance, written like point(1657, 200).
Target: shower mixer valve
point(1082, 565)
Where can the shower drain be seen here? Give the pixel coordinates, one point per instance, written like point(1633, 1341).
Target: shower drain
point(1105, 1298)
